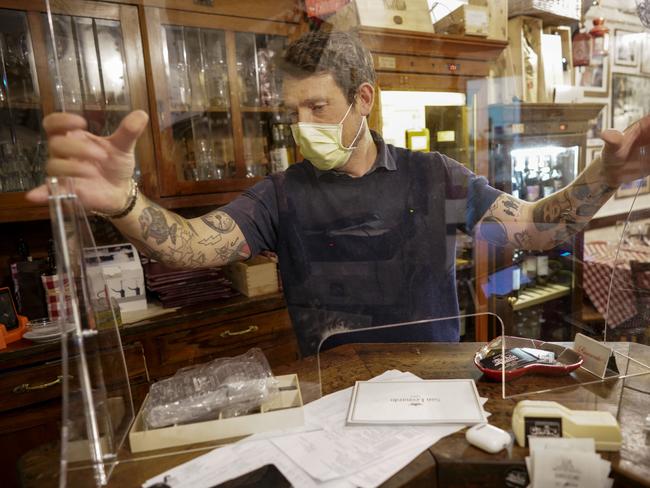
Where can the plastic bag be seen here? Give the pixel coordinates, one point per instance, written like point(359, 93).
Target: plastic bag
point(225, 386)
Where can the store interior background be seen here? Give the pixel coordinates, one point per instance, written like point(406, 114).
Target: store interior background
point(619, 14)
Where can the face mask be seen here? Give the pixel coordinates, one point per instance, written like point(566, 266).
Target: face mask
point(322, 144)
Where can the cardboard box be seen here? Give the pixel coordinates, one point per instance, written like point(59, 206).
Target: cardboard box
point(257, 276)
point(284, 412)
point(515, 68)
point(411, 15)
point(498, 29)
point(469, 20)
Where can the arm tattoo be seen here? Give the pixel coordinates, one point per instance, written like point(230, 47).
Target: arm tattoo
point(173, 240)
point(219, 221)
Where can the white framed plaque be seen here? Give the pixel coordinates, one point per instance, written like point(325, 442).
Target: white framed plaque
point(424, 402)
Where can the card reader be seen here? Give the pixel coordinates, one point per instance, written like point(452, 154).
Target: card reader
point(551, 419)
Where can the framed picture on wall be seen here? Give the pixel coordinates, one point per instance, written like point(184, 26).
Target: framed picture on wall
point(593, 78)
point(645, 54)
point(630, 100)
point(630, 189)
point(626, 48)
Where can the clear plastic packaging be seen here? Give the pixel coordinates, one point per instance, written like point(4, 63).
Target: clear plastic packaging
point(225, 387)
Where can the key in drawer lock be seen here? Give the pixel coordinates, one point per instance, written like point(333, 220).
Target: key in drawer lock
point(247, 330)
point(25, 387)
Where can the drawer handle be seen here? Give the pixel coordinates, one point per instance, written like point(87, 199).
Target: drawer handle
point(27, 387)
point(227, 333)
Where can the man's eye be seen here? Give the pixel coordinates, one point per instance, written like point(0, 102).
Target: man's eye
point(318, 108)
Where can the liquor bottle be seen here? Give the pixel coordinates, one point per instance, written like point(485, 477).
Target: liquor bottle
point(530, 265)
point(23, 250)
point(279, 149)
point(532, 185)
point(557, 179)
point(515, 186)
point(516, 274)
point(546, 181)
point(51, 258)
point(542, 269)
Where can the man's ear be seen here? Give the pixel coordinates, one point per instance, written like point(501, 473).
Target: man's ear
point(365, 98)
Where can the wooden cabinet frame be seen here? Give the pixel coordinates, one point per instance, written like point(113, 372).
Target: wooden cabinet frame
point(13, 206)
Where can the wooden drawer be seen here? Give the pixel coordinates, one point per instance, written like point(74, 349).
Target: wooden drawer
point(191, 346)
point(42, 382)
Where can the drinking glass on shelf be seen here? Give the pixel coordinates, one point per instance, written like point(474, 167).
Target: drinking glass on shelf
point(182, 93)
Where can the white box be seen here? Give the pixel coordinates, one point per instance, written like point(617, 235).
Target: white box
point(122, 272)
point(284, 412)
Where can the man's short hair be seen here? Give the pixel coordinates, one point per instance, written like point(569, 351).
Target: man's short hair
point(338, 53)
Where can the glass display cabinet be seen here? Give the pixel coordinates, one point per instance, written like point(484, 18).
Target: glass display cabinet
point(536, 150)
point(219, 117)
point(99, 52)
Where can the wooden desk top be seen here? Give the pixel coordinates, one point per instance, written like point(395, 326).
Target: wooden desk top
point(450, 462)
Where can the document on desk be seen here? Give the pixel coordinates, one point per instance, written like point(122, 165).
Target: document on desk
point(415, 403)
point(325, 453)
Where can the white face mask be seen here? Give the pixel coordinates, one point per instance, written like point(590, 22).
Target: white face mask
point(322, 144)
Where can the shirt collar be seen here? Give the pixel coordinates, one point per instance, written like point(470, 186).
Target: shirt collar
point(384, 159)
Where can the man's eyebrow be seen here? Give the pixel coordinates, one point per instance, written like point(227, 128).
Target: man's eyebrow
point(306, 102)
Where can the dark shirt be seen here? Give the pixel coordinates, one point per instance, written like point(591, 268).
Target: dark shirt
point(362, 252)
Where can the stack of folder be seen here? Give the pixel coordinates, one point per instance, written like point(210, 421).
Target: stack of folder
point(180, 288)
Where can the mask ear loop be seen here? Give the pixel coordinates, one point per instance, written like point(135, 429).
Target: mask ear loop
point(363, 119)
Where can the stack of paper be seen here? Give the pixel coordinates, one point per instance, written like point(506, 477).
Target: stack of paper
point(325, 452)
point(561, 462)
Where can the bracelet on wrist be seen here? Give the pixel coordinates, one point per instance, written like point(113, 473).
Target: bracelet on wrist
point(128, 206)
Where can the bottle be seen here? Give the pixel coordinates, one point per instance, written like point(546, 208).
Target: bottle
point(532, 185)
point(279, 149)
point(516, 275)
point(530, 265)
point(581, 48)
point(556, 178)
point(23, 250)
point(51, 258)
point(514, 186)
point(599, 39)
point(546, 181)
point(542, 269)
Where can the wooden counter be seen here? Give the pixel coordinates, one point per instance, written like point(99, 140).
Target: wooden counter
point(451, 462)
point(30, 392)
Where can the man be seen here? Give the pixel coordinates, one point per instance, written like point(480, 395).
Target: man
point(365, 232)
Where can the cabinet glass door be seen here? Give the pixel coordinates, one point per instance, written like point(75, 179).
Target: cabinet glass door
point(268, 144)
point(91, 79)
point(196, 69)
point(22, 150)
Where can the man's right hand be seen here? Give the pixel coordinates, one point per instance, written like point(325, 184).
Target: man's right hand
point(102, 166)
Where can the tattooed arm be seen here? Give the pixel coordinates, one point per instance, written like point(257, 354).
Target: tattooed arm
point(554, 219)
point(211, 240)
point(548, 222)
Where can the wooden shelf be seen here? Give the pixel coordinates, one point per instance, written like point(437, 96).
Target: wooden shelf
point(22, 106)
point(200, 110)
point(263, 109)
point(540, 294)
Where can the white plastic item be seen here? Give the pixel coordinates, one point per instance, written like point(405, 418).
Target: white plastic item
point(488, 438)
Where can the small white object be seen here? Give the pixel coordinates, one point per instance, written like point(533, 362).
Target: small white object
point(488, 437)
point(646, 426)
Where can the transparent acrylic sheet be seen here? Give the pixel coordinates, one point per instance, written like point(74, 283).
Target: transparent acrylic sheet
point(347, 356)
point(98, 411)
point(607, 284)
point(97, 405)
